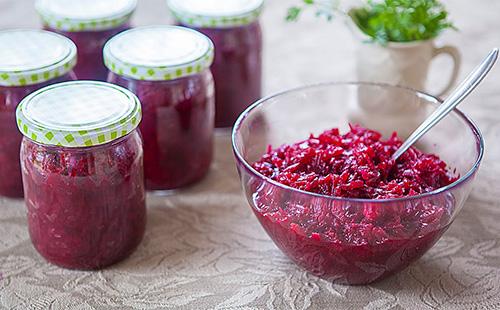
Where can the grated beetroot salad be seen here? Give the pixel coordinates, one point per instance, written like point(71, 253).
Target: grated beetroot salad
point(86, 206)
point(352, 242)
point(89, 44)
point(354, 165)
point(237, 69)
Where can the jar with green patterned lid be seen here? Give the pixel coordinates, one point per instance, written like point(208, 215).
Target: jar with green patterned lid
point(82, 169)
point(167, 67)
point(233, 26)
point(89, 23)
point(29, 60)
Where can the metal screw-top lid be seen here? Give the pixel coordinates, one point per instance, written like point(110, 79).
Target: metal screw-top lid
point(34, 56)
point(158, 53)
point(216, 13)
point(85, 15)
point(78, 114)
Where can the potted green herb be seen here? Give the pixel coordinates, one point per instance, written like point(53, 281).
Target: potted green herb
point(397, 37)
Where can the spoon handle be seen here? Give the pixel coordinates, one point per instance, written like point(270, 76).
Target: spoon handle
point(457, 96)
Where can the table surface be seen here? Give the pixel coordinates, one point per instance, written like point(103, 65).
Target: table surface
point(203, 247)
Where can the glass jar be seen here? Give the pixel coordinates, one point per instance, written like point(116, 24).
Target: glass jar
point(89, 23)
point(82, 167)
point(33, 59)
point(234, 28)
point(167, 67)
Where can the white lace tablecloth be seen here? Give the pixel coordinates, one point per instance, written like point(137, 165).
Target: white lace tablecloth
point(203, 247)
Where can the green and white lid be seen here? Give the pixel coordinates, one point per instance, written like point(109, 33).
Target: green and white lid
point(85, 15)
point(31, 56)
point(216, 13)
point(78, 114)
point(158, 53)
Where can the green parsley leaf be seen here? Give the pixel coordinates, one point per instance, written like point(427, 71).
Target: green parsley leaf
point(388, 20)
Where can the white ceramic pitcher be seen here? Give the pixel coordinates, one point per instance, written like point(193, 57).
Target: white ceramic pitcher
point(401, 63)
point(404, 64)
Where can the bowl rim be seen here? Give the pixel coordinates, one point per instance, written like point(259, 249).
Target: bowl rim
point(472, 125)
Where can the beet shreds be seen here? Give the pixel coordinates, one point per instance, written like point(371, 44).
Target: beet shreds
point(357, 164)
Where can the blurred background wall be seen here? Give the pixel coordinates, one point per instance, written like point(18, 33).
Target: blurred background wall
point(314, 50)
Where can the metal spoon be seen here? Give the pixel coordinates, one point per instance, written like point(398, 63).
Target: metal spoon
point(456, 97)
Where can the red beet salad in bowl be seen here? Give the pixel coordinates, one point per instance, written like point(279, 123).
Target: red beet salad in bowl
point(316, 167)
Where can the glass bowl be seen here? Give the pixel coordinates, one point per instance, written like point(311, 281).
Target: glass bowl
point(326, 235)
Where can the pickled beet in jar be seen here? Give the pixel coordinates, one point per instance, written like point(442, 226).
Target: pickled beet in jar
point(167, 67)
point(82, 168)
point(30, 59)
point(234, 28)
point(89, 23)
